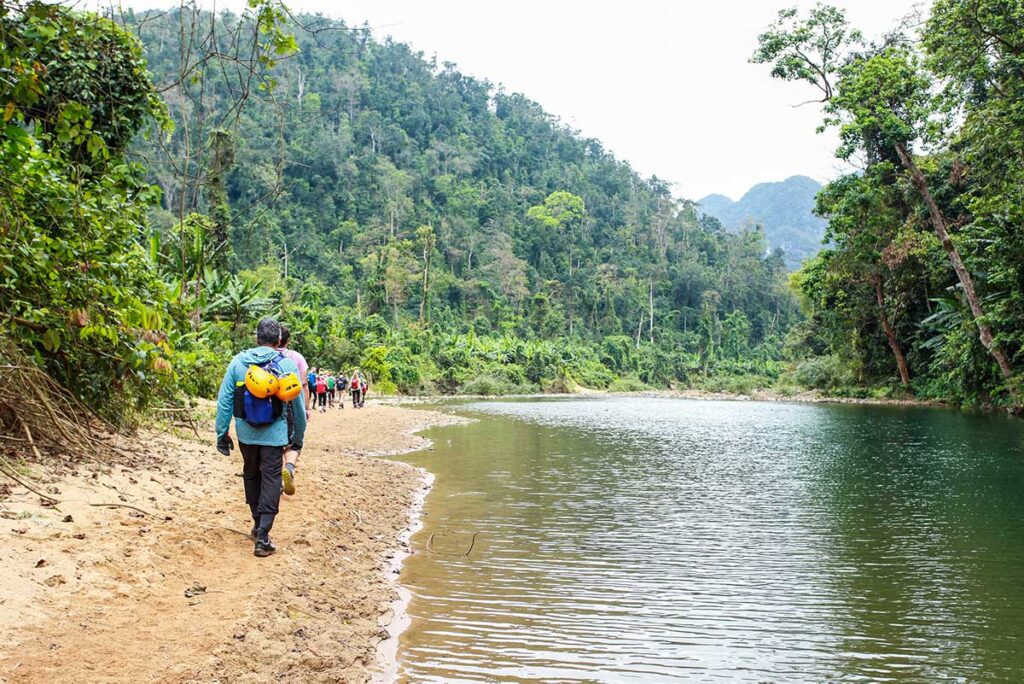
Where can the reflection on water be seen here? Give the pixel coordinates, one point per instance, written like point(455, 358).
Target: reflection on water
point(653, 540)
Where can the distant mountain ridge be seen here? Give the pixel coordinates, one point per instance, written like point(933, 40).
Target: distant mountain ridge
point(786, 211)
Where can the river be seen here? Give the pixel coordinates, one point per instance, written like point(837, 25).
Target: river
point(651, 540)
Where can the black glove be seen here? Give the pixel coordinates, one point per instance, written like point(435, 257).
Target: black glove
point(224, 444)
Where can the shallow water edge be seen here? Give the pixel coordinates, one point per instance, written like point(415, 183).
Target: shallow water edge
point(387, 648)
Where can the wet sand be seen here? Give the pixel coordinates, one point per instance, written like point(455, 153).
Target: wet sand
point(93, 593)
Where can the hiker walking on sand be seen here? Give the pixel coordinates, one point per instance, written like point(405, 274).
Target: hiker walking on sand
point(321, 391)
point(330, 389)
point(342, 384)
point(311, 386)
point(256, 386)
point(365, 387)
point(291, 456)
point(356, 389)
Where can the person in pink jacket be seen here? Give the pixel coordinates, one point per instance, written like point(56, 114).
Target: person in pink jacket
point(291, 456)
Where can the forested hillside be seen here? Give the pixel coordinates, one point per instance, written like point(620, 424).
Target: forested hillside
point(463, 224)
point(170, 177)
point(784, 209)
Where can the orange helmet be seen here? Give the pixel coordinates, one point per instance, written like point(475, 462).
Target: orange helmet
point(289, 387)
point(260, 383)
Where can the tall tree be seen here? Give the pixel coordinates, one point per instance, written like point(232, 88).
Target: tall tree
point(557, 226)
point(426, 240)
point(881, 102)
point(864, 223)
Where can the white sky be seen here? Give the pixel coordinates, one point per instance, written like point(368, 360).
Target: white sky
point(664, 84)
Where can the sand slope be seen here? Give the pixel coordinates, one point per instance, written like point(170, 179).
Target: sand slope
point(108, 601)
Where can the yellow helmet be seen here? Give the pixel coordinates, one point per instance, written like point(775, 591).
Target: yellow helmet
point(260, 383)
point(289, 387)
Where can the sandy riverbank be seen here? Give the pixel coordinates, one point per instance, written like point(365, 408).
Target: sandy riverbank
point(804, 397)
point(90, 593)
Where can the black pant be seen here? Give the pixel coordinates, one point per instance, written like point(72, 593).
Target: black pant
point(357, 398)
point(261, 473)
point(321, 399)
point(289, 412)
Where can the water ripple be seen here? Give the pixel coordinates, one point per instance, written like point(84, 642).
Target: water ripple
point(664, 540)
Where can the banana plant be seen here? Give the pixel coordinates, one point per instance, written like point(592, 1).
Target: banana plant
point(240, 301)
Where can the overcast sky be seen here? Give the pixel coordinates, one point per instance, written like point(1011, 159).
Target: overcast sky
point(664, 84)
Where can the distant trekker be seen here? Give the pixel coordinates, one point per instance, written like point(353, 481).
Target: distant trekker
point(355, 387)
point(311, 386)
point(259, 382)
point(365, 387)
point(342, 388)
point(321, 391)
point(291, 456)
point(330, 389)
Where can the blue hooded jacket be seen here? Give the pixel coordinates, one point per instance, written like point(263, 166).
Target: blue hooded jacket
point(275, 434)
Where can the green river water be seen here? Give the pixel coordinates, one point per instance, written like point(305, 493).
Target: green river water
point(668, 540)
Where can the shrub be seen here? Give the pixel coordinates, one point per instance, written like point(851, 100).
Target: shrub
point(558, 385)
point(79, 295)
point(375, 363)
point(591, 373)
point(824, 372)
point(733, 384)
point(786, 389)
point(617, 352)
point(487, 385)
point(404, 372)
point(384, 387)
point(627, 384)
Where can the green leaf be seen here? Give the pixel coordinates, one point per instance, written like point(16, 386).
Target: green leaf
point(18, 135)
point(51, 340)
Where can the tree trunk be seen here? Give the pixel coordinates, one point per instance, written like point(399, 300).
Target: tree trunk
point(939, 225)
point(894, 343)
point(425, 298)
point(652, 310)
point(572, 293)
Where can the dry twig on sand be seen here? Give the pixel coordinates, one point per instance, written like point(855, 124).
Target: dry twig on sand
point(117, 505)
point(181, 414)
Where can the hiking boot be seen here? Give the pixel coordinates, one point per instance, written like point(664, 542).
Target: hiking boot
point(264, 548)
point(287, 481)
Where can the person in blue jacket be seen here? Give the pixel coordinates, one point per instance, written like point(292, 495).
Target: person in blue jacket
point(311, 382)
point(262, 446)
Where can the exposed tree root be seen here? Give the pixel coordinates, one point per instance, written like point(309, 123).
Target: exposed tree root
point(38, 411)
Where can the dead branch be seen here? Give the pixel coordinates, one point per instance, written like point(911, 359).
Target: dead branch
point(117, 505)
point(32, 443)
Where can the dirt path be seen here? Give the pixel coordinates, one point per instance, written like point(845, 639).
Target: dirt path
point(102, 597)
